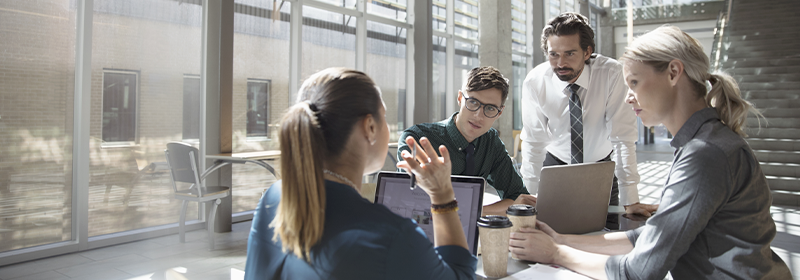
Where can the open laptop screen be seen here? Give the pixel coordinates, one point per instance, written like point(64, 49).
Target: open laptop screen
point(393, 191)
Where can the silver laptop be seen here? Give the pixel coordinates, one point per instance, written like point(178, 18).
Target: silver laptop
point(574, 198)
point(393, 191)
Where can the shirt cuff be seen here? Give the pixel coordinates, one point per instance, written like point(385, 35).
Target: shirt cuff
point(628, 195)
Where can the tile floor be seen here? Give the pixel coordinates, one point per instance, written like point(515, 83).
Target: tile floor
point(166, 258)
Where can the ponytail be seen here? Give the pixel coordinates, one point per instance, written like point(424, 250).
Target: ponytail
point(726, 98)
point(300, 219)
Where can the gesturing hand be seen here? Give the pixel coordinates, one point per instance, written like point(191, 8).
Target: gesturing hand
point(433, 172)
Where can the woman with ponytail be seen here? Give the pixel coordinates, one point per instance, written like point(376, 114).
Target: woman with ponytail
point(713, 221)
point(314, 224)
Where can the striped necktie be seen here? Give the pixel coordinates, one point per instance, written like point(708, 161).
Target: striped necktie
point(576, 124)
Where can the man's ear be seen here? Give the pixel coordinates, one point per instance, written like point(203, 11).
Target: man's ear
point(460, 97)
point(675, 69)
point(588, 53)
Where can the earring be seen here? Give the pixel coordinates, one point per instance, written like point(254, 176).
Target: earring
point(372, 141)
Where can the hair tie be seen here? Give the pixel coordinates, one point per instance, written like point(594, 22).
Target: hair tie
point(311, 111)
point(312, 106)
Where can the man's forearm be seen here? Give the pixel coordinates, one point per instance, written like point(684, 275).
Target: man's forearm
point(497, 208)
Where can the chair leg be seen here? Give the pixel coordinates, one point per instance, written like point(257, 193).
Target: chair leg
point(182, 222)
point(211, 219)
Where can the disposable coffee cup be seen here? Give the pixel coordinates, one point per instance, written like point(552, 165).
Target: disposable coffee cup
point(522, 216)
point(494, 234)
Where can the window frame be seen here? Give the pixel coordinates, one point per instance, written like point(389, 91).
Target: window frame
point(266, 137)
point(114, 144)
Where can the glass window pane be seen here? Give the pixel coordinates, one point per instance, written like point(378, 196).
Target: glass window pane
point(466, 19)
point(386, 64)
point(350, 4)
point(192, 92)
point(393, 9)
point(520, 69)
point(119, 106)
point(260, 91)
point(438, 108)
point(36, 116)
point(439, 11)
point(466, 58)
point(329, 40)
point(518, 26)
point(258, 108)
point(141, 53)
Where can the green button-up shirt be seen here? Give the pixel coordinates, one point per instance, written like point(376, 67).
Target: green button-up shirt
point(491, 158)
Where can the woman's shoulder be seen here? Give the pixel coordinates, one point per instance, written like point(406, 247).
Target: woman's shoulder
point(716, 140)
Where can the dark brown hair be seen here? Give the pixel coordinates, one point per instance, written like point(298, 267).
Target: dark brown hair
point(317, 128)
point(570, 23)
point(486, 77)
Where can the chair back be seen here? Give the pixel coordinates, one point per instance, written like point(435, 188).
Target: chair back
point(183, 164)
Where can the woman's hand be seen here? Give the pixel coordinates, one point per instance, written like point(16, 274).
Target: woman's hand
point(433, 172)
point(549, 231)
point(533, 245)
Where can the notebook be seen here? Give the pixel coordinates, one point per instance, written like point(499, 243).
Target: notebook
point(574, 198)
point(393, 191)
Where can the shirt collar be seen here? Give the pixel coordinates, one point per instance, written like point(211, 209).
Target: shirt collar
point(692, 125)
point(455, 135)
point(583, 79)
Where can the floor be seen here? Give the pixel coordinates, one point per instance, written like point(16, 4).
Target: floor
point(166, 258)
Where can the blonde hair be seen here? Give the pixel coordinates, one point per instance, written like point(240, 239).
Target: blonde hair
point(666, 43)
point(317, 128)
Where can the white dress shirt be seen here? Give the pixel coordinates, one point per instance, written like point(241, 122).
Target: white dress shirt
point(608, 123)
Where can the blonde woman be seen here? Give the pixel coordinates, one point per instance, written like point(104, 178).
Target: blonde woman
point(714, 220)
point(313, 224)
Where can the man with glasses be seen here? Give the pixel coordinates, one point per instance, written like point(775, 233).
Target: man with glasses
point(475, 147)
point(575, 112)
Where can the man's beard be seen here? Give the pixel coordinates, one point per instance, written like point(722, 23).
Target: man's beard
point(567, 77)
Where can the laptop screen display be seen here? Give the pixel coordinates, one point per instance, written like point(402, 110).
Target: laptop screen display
point(393, 191)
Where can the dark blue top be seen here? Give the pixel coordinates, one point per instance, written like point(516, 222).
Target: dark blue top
point(361, 240)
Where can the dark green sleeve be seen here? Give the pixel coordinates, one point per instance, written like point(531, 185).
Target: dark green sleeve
point(402, 146)
point(504, 177)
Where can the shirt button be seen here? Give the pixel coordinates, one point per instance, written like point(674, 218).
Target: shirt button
point(459, 149)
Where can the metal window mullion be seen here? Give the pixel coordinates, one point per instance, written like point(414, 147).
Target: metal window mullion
point(387, 21)
point(450, 52)
point(295, 48)
point(361, 37)
point(81, 126)
point(331, 8)
point(410, 48)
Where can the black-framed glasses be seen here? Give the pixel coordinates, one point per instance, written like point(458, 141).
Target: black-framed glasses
point(489, 110)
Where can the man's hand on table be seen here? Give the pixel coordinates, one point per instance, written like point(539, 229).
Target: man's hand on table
point(526, 199)
point(641, 209)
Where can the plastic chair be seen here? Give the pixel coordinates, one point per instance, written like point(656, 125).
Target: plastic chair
point(183, 162)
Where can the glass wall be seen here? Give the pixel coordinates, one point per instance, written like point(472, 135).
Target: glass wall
point(145, 60)
point(260, 91)
point(329, 40)
point(36, 91)
point(520, 69)
point(466, 58)
point(438, 106)
point(386, 65)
